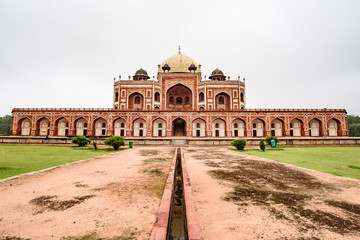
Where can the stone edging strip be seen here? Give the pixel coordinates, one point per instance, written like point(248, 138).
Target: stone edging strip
point(193, 225)
point(162, 218)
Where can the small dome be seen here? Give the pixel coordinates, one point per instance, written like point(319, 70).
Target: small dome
point(141, 72)
point(217, 72)
point(217, 75)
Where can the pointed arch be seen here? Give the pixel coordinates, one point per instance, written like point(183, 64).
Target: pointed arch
point(199, 127)
point(258, 126)
point(119, 125)
point(179, 97)
point(81, 126)
point(43, 126)
point(296, 127)
point(62, 126)
point(315, 127)
point(159, 127)
point(277, 127)
point(219, 127)
point(222, 101)
point(334, 127)
point(179, 127)
point(157, 97)
point(135, 101)
point(100, 126)
point(238, 127)
point(201, 97)
point(139, 127)
point(24, 126)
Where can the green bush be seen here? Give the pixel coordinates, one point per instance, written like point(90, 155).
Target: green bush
point(81, 140)
point(239, 143)
point(262, 145)
point(115, 142)
point(268, 140)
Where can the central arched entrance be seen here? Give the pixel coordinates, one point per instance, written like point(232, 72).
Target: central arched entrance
point(179, 127)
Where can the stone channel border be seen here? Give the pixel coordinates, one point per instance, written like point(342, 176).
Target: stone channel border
point(162, 218)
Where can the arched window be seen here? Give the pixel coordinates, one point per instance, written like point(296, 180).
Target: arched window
point(291, 125)
point(116, 96)
point(187, 100)
point(157, 97)
point(141, 125)
point(254, 125)
point(235, 125)
point(122, 125)
point(198, 125)
point(241, 97)
point(137, 100)
point(201, 97)
point(216, 125)
point(171, 100)
point(179, 100)
point(160, 125)
point(104, 125)
point(221, 100)
point(272, 125)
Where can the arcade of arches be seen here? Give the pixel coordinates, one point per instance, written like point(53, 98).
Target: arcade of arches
point(198, 127)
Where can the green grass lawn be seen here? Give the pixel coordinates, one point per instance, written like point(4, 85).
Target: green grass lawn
point(337, 160)
point(18, 159)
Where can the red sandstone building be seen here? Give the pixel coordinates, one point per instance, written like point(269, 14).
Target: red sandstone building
point(180, 102)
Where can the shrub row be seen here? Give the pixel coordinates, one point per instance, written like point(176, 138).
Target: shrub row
point(241, 143)
point(114, 141)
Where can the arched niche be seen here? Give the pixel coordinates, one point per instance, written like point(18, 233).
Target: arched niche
point(24, 127)
point(222, 102)
point(81, 126)
point(238, 128)
point(139, 128)
point(199, 128)
point(62, 127)
point(218, 128)
point(258, 127)
point(136, 101)
point(159, 128)
point(43, 127)
point(179, 97)
point(120, 127)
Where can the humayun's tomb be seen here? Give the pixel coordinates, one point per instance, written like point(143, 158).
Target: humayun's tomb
point(179, 104)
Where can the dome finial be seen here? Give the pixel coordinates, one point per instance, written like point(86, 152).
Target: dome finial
point(179, 50)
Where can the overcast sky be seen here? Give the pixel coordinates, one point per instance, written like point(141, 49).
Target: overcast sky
point(294, 54)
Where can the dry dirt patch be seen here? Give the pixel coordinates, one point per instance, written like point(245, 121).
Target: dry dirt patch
point(301, 204)
point(109, 198)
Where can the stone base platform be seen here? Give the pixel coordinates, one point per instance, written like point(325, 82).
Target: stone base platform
point(188, 141)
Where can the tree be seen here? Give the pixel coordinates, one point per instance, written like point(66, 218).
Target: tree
point(5, 123)
point(268, 140)
point(354, 125)
point(81, 141)
point(115, 142)
point(262, 145)
point(239, 143)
